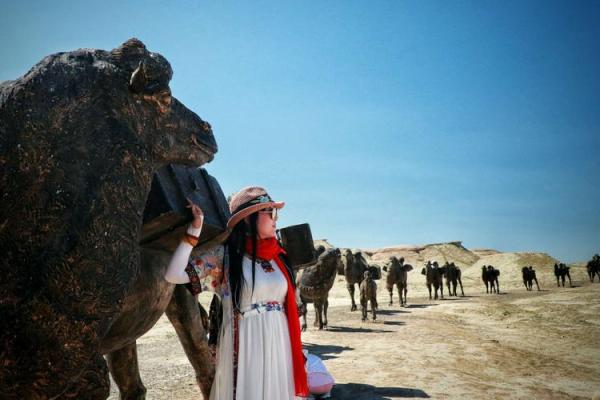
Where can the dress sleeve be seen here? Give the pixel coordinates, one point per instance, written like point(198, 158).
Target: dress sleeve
point(197, 272)
point(176, 268)
point(205, 271)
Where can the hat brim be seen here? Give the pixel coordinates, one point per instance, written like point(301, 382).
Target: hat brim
point(240, 215)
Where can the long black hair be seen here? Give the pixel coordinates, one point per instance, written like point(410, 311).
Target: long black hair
point(236, 246)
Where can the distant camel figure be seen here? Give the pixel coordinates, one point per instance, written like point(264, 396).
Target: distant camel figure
point(354, 269)
point(453, 275)
point(489, 275)
point(529, 277)
point(560, 271)
point(433, 277)
point(368, 293)
point(315, 283)
point(593, 268)
point(398, 275)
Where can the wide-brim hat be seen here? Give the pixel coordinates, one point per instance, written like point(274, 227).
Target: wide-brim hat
point(247, 201)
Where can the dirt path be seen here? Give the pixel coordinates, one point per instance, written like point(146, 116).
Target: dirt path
point(516, 345)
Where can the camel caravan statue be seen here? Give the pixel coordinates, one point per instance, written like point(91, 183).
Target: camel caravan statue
point(560, 272)
point(81, 135)
point(593, 268)
point(315, 282)
point(355, 266)
point(434, 278)
point(529, 277)
point(453, 276)
point(489, 276)
point(368, 294)
point(397, 274)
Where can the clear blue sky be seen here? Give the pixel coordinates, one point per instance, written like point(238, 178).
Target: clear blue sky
point(378, 122)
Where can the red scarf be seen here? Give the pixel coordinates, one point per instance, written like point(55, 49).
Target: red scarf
point(269, 249)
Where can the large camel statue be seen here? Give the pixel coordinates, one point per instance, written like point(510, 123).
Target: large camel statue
point(81, 135)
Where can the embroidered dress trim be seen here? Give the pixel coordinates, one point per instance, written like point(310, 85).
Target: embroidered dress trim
point(194, 285)
point(258, 308)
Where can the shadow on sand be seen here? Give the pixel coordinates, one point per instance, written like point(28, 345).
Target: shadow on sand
point(448, 298)
point(359, 391)
point(421, 305)
point(347, 329)
point(397, 323)
point(325, 352)
point(391, 312)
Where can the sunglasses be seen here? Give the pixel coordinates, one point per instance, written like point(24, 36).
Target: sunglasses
point(271, 211)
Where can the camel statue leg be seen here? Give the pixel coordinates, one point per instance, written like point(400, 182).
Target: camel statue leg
point(405, 290)
point(399, 288)
point(391, 290)
point(316, 321)
point(184, 314)
point(319, 310)
point(350, 287)
point(569, 276)
point(537, 284)
point(363, 308)
point(374, 308)
point(303, 312)
point(442, 291)
point(123, 366)
point(462, 292)
point(325, 306)
point(92, 384)
point(429, 288)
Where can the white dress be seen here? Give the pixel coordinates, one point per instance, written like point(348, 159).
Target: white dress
point(265, 368)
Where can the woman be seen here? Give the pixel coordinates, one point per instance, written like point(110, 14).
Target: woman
point(259, 352)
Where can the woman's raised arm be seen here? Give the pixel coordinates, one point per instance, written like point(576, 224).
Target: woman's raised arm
point(176, 270)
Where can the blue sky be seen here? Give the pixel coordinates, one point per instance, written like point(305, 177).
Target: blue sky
point(380, 122)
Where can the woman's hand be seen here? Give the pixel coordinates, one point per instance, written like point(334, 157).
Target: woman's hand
point(197, 212)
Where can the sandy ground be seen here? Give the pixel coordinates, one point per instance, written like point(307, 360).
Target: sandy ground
point(515, 345)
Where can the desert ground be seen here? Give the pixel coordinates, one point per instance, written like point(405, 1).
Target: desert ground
point(513, 345)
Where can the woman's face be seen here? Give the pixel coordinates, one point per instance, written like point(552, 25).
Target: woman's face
point(266, 225)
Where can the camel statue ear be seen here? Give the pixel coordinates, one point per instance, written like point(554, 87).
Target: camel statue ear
point(138, 81)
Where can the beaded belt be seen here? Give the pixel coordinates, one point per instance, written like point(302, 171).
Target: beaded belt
point(258, 308)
